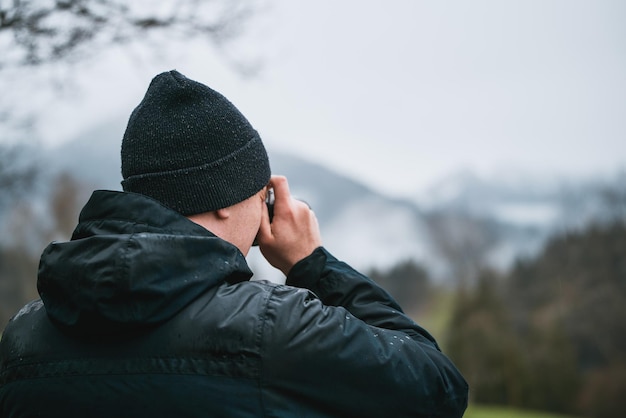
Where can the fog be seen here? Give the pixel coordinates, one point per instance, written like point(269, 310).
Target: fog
point(397, 95)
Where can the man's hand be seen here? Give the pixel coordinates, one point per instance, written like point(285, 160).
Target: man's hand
point(293, 234)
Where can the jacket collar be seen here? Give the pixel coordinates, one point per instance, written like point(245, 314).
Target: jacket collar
point(124, 208)
point(132, 261)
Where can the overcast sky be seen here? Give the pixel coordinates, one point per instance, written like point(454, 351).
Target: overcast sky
point(402, 93)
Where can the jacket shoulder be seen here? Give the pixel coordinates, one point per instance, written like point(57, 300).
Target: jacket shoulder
point(17, 337)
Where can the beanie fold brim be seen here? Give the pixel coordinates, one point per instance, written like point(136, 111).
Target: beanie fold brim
point(211, 185)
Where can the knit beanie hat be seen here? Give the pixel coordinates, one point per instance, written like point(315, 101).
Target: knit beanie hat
point(188, 147)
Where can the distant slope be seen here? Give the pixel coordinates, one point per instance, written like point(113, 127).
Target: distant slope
point(516, 212)
point(358, 224)
point(93, 157)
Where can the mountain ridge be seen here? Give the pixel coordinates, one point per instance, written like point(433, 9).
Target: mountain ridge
point(371, 230)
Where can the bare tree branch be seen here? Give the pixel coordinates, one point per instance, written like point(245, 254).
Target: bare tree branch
point(47, 31)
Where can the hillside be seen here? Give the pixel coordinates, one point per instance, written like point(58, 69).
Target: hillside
point(500, 219)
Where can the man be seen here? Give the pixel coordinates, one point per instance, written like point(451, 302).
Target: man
point(149, 312)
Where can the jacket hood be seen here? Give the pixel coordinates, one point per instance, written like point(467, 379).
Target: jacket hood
point(132, 261)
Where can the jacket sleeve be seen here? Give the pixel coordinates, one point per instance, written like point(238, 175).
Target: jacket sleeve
point(347, 349)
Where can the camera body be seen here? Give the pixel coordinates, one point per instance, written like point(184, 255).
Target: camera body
point(269, 201)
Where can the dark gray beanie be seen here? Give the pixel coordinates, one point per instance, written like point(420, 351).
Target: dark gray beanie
point(188, 147)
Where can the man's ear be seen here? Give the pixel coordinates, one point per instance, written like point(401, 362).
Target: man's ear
point(223, 213)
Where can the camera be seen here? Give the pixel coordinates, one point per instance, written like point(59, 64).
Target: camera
point(269, 201)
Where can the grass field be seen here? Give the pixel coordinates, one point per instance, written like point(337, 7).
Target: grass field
point(475, 411)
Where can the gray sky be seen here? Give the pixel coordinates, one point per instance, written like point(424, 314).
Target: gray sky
point(401, 93)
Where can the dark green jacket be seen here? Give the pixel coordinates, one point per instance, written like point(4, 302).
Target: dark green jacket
point(146, 314)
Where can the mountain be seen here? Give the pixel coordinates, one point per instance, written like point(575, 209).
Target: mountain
point(494, 219)
point(93, 157)
point(521, 209)
point(358, 225)
point(530, 200)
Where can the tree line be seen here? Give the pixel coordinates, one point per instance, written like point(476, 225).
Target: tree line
point(547, 334)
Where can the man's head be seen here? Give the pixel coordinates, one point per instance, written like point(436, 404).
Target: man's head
point(188, 147)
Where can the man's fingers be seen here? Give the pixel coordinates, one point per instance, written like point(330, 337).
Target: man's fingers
point(294, 232)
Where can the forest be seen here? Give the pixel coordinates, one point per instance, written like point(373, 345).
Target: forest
point(548, 334)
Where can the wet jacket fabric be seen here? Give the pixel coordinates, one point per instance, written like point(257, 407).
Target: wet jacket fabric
point(146, 314)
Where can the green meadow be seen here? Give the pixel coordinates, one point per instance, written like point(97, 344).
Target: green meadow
point(477, 411)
